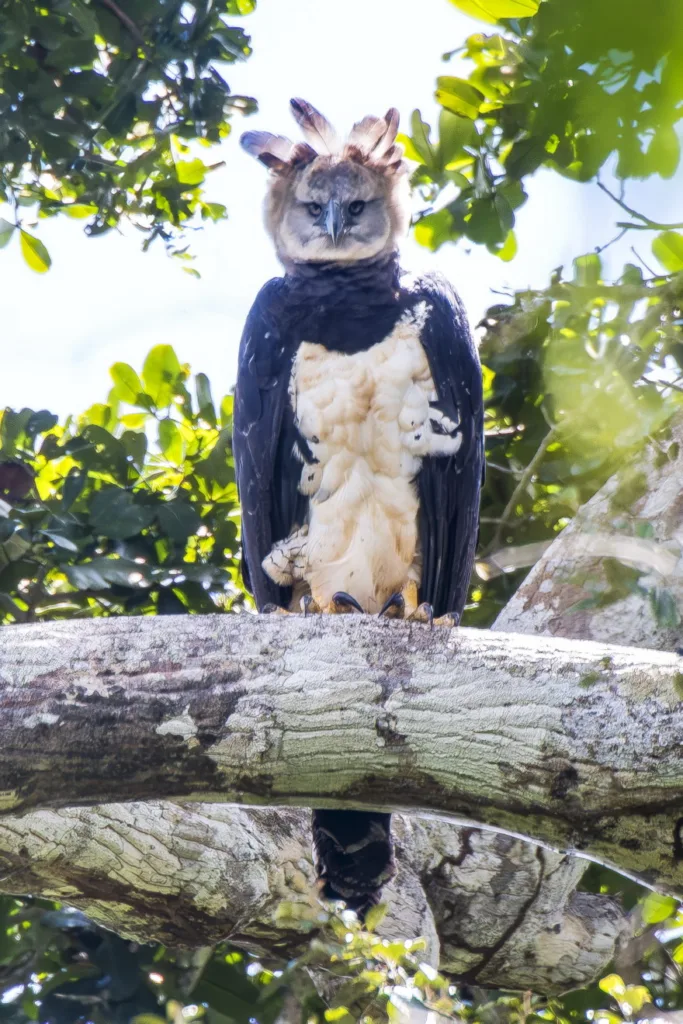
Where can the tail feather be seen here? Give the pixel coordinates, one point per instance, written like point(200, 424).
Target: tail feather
point(354, 856)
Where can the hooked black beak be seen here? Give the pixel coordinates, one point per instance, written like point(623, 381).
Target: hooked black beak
point(334, 221)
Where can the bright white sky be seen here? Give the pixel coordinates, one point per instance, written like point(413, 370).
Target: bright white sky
point(103, 300)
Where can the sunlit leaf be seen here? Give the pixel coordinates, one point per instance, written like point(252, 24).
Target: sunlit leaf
point(493, 10)
point(458, 96)
point(613, 984)
point(34, 252)
point(668, 248)
point(126, 382)
point(657, 908)
point(6, 231)
point(375, 916)
point(508, 250)
point(170, 440)
point(79, 210)
point(190, 172)
point(159, 373)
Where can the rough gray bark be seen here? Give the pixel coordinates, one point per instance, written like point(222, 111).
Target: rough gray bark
point(503, 913)
point(637, 518)
point(571, 744)
point(498, 913)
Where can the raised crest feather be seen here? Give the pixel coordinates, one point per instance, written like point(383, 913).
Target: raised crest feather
point(372, 141)
point(316, 128)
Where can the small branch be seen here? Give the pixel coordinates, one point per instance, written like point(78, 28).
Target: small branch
point(641, 260)
point(601, 248)
point(519, 489)
point(125, 20)
point(647, 223)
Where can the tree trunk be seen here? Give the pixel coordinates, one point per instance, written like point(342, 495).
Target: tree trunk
point(503, 913)
point(572, 744)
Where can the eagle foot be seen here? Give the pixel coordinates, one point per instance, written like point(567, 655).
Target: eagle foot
point(393, 608)
point(425, 613)
point(342, 604)
point(309, 606)
point(450, 619)
point(274, 609)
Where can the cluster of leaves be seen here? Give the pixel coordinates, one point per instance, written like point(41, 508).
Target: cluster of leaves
point(566, 88)
point(130, 508)
point(577, 377)
point(97, 102)
point(58, 967)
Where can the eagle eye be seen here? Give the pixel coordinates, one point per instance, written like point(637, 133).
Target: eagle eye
point(356, 207)
point(315, 209)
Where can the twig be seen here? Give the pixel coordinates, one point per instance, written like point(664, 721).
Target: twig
point(648, 223)
point(601, 248)
point(663, 384)
point(503, 469)
point(641, 260)
point(520, 488)
point(125, 20)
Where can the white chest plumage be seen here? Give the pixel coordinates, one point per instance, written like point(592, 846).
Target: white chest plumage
point(368, 422)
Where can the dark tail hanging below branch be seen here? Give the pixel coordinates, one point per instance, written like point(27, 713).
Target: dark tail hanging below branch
point(354, 856)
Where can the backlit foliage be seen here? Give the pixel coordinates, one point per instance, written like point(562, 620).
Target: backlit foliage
point(97, 102)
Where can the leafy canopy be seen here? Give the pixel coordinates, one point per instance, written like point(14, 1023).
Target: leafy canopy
point(98, 102)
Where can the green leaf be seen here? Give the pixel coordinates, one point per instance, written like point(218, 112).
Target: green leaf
point(434, 229)
point(375, 916)
point(656, 908)
point(664, 152)
point(492, 10)
point(190, 172)
point(160, 373)
point(508, 250)
point(458, 96)
point(34, 252)
point(421, 141)
point(668, 248)
point(178, 519)
point(115, 514)
point(613, 984)
point(525, 156)
point(171, 441)
point(135, 443)
point(73, 485)
point(455, 133)
point(339, 1015)
point(410, 150)
point(6, 231)
point(587, 270)
point(127, 384)
point(204, 399)
point(79, 210)
point(60, 540)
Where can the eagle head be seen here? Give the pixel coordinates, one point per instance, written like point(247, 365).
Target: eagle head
point(334, 199)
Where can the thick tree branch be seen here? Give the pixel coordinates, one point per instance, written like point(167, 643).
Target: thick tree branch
point(570, 744)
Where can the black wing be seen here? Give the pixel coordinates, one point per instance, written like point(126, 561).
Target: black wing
point(264, 436)
point(449, 486)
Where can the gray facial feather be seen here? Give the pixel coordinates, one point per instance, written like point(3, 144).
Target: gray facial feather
point(334, 201)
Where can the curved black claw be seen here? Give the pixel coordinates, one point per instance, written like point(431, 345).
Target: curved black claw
point(423, 613)
point(341, 597)
point(450, 619)
point(270, 608)
point(309, 605)
point(395, 601)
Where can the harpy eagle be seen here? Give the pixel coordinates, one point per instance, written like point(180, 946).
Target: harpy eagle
point(358, 422)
